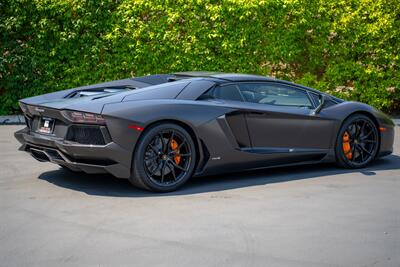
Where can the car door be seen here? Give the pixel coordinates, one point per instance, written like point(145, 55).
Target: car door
point(280, 119)
point(236, 121)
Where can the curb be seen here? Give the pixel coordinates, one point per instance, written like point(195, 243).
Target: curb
point(12, 120)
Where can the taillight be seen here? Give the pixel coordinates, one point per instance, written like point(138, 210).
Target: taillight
point(83, 117)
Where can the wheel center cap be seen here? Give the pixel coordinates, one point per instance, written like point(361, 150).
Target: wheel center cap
point(355, 141)
point(164, 157)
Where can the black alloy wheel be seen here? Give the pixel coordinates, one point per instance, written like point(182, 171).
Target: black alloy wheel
point(357, 142)
point(164, 159)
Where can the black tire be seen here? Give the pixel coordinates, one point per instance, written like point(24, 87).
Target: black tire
point(363, 141)
point(155, 165)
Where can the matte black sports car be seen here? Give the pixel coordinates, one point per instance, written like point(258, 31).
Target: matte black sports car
point(159, 130)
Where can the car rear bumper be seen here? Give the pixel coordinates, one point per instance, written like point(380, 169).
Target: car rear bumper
point(110, 158)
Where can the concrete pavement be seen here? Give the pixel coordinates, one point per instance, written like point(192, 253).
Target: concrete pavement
point(299, 216)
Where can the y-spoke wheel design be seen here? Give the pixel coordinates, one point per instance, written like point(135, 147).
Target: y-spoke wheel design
point(357, 142)
point(165, 158)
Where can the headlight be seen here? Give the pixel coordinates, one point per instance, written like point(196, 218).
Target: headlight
point(83, 117)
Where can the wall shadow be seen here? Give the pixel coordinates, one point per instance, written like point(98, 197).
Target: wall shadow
point(107, 185)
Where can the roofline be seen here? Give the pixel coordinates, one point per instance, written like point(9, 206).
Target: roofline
point(200, 74)
point(222, 77)
point(233, 77)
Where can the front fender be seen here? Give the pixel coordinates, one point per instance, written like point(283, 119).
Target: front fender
point(385, 125)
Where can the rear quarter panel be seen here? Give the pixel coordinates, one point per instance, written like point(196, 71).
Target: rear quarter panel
point(143, 113)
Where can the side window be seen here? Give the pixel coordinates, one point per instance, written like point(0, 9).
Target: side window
point(225, 92)
point(274, 94)
point(315, 98)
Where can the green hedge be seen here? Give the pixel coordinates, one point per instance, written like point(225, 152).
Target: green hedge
point(350, 48)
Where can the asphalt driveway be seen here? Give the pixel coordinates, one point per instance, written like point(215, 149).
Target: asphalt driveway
point(299, 216)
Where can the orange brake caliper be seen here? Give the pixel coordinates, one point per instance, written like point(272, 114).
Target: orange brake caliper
point(346, 145)
point(174, 146)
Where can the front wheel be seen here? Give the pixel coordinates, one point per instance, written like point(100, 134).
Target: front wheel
point(164, 159)
point(357, 142)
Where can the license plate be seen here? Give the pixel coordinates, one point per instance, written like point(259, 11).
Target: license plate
point(46, 125)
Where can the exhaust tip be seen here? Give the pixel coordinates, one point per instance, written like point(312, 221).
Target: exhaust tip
point(39, 155)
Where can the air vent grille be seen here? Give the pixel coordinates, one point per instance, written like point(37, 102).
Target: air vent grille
point(88, 135)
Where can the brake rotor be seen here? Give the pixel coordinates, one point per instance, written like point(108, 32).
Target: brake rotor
point(174, 146)
point(346, 146)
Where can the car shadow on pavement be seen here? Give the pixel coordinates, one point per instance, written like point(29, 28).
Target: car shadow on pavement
point(107, 185)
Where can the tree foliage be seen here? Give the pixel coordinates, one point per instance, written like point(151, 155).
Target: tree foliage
point(349, 48)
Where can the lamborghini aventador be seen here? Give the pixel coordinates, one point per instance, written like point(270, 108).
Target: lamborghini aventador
point(160, 130)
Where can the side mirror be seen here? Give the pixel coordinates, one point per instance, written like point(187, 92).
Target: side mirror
point(318, 109)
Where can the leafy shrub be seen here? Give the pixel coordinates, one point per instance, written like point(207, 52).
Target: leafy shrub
point(347, 48)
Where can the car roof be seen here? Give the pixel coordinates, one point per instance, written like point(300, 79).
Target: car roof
point(218, 77)
point(232, 77)
point(222, 77)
